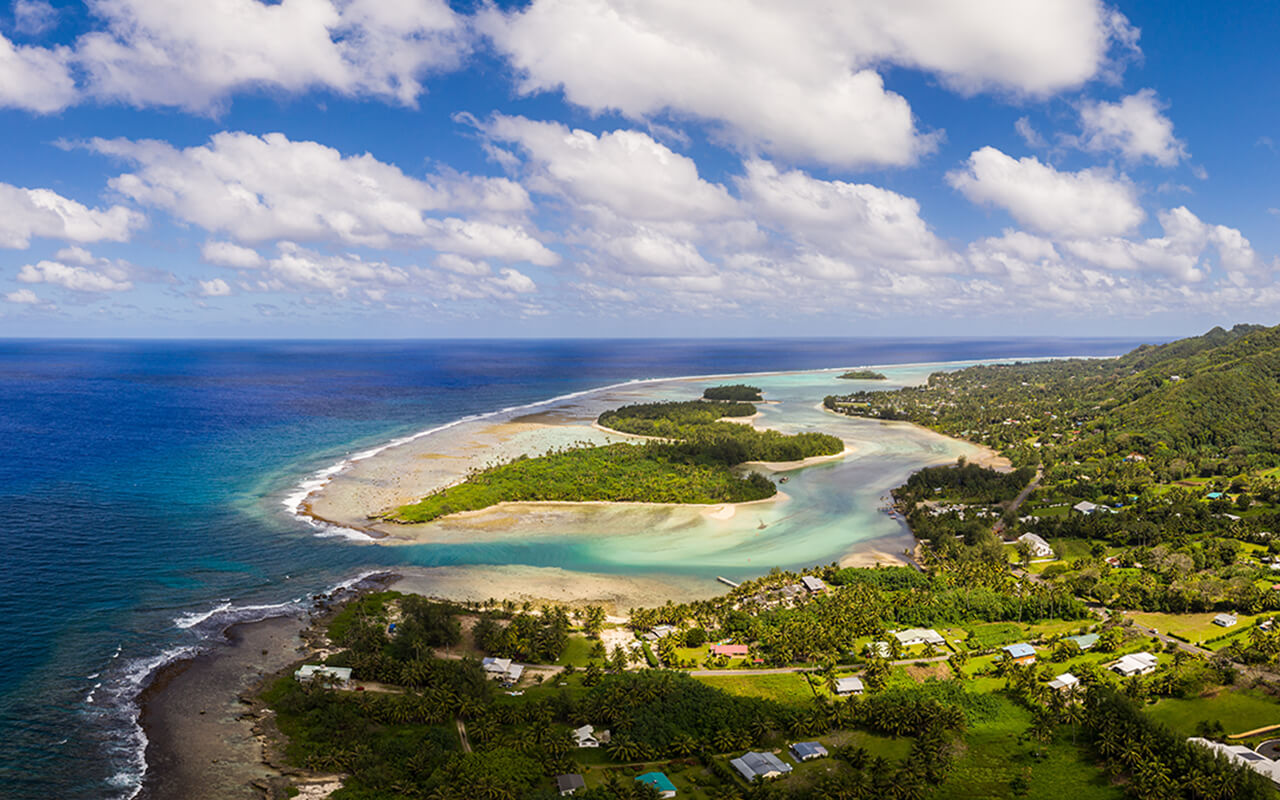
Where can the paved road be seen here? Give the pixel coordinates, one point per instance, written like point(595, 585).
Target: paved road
point(1017, 501)
point(786, 670)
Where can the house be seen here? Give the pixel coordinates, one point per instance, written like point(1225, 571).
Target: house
point(1039, 547)
point(496, 666)
point(814, 585)
point(1240, 754)
point(568, 784)
point(881, 649)
point(848, 686)
point(1084, 641)
point(1225, 620)
point(1135, 664)
point(731, 650)
point(660, 631)
point(1135, 457)
point(1064, 682)
point(807, 751)
point(1021, 653)
point(792, 590)
point(919, 636)
point(759, 765)
point(1213, 495)
point(326, 676)
point(660, 782)
point(586, 736)
point(1085, 507)
point(512, 676)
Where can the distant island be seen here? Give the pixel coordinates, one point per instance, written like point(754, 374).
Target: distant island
point(738, 392)
point(691, 457)
point(863, 375)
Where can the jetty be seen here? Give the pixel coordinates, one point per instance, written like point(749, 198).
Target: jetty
point(727, 582)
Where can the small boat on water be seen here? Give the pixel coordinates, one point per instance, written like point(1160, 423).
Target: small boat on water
point(783, 479)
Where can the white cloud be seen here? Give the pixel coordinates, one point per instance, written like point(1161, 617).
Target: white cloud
point(193, 55)
point(214, 288)
point(77, 279)
point(1178, 253)
point(229, 254)
point(33, 17)
point(1088, 203)
point(798, 79)
point(35, 78)
point(256, 189)
point(1028, 133)
point(40, 213)
point(1135, 127)
point(23, 296)
point(515, 280)
point(625, 171)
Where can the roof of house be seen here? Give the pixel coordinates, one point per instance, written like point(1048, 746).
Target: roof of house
point(919, 634)
point(320, 670)
point(757, 765)
point(1019, 650)
point(570, 782)
point(813, 584)
point(1033, 540)
point(879, 648)
point(730, 649)
point(1135, 662)
point(1063, 681)
point(496, 664)
point(803, 750)
point(583, 732)
point(853, 684)
point(1229, 619)
point(1084, 641)
point(1085, 506)
point(1243, 755)
point(658, 781)
point(1213, 495)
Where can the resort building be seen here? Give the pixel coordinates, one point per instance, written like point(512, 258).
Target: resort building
point(919, 636)
point(1240, 754)
point(1135, 664)
point(327, 676)
point(848, 686)
point(568, 784)
point(1225, 620)
point(1064, 682)
point(1039, 547)
point(660, 782)
point(814, 585)
point(1085, 641)
point(759, 765)
point(807, 751)
point(1020, 653)
point(731, 650)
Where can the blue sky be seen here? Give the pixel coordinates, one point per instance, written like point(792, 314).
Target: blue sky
point(352, 168)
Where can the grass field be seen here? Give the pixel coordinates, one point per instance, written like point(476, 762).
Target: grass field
point(1193, 627)
point(790, 688)
point(577, 651)
point(1238, 710)
point(996, 634)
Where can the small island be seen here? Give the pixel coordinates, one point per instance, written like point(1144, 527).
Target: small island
point(691, 456)
point(862, 375)
point(738, 392)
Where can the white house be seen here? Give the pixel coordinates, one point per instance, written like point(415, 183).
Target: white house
point(328, 676)
point(814, 585)
point(502, 669)
point(1085, 507)
point(586, 736)
point(847, 686)
point(1240, 754)
point(881, 649)
point(1064, 682)
point(1225, 620)
point(1135, 664)
point(1039, 547)
point(919, 636)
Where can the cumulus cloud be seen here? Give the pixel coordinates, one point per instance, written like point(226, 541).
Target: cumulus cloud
point(799, 80)
point(41, 213)
point(23, 297)
point(258, 188)
point(35, 79)
point(1178, 252)
point(229, 254)
point(193, 55)
point(214, 288)
point(1088, 203)
point(77, 279)
point(1135, 127)
point(33, 17)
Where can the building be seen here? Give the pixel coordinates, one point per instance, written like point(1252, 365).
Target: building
point(1064, 682)
point(1039, 547)
point(848, 686)
point(660, 782)
point(1135, 664)
point(1213, 495)
point(327, 676)
point(807, 751)
point(731, 650)
point(1240, 754)
point(759, 765)
point(881, 649)
point(792, 591)
point(502, 669)
point(1225, 620)
point(568, 784)
point(586, 736)
point(1135, 457)
point(1085, 507)
point(814, 585)
point(1021, 653)
point(1084, 641)
point(919, 636)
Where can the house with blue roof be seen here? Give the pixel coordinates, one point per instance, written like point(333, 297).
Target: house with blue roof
point(804, 751)
point(1021, 653)
point(660, 782)
point(1213, 495)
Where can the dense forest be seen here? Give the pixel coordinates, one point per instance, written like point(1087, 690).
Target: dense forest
point(862, 375)
point(693, 459)
point(738, 392)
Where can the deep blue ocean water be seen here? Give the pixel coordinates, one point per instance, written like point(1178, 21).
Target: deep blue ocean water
point(141, 487)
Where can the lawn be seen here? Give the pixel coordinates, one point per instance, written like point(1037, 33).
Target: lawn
point(691, 779)
point(577, 651)
point(1238, 710)
point(996, 634)
point(1195, 628)
point(791, 688)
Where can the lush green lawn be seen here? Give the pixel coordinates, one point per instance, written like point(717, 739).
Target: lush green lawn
point(577, 651)
point(1238, 711)
point(691, 780)
point(1194, 627)
point(996, 634)
point(791, 688)
point(996, 752)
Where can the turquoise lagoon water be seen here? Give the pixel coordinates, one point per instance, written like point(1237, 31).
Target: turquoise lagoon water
point(143, 485)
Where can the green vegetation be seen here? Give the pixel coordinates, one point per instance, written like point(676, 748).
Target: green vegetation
point(862, 375)
point(737, 392)
point(693, 462)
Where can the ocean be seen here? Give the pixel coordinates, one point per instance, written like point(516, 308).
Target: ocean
point(144, 491)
